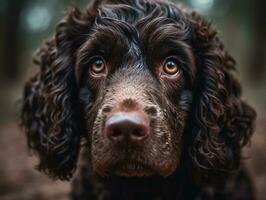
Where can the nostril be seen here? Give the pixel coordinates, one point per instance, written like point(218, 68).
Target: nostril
point(139, 133)
point(116, 132)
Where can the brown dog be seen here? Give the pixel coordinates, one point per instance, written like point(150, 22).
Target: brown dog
point(150, 88)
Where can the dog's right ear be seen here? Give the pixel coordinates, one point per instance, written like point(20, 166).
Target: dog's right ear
point(50, 113)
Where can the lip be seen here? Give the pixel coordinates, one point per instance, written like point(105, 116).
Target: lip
point(132, 168)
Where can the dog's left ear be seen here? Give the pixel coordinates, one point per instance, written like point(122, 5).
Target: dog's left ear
point(50, 113)
point(221, 122)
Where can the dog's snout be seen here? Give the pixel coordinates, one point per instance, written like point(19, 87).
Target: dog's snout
point(127, 126)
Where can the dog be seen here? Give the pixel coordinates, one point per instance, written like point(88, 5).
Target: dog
point(144, 95)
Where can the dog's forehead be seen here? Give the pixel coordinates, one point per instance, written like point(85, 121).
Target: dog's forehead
point(139, 14)
point(158, 25)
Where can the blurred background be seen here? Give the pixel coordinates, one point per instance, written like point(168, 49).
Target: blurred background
point(24, 24)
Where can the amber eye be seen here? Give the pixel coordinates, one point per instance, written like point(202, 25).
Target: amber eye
point(98, 66)
point(170, 66)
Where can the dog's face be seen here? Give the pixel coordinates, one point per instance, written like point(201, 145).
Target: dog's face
point(147, 84)
point(135, 100)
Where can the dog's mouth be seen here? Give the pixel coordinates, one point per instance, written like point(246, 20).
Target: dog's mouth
point(132, 169)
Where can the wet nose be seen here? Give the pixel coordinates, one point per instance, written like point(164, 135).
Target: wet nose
point(127, 126)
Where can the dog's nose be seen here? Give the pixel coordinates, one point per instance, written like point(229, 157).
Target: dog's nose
point(127, 126)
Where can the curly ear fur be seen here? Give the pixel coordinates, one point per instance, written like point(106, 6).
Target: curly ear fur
point(221, 123)
point(50, 113)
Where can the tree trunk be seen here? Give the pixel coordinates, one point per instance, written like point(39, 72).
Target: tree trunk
point(256, 70)
point(11, 40)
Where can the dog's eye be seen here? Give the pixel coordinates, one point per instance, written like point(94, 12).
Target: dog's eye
point(98, 66)
point(170, 66)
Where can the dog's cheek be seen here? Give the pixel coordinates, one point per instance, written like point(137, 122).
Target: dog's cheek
point(103, 154)
point(166, 147)
point(98, 142)
point(185, 100)
point(176, 122)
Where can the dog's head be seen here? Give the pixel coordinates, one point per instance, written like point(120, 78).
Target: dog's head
point(148, 85)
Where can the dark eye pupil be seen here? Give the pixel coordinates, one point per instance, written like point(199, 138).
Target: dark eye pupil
point(170, 64)
point(98, 63)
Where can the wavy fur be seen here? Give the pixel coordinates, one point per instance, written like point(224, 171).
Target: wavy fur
point(219, 122)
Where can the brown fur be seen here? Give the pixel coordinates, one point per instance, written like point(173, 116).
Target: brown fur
point(198, 121)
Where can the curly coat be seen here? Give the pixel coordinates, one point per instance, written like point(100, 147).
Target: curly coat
point(200, 113)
